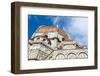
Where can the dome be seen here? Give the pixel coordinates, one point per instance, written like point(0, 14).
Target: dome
point(43, 29)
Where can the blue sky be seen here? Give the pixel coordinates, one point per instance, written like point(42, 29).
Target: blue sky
point(76, 26)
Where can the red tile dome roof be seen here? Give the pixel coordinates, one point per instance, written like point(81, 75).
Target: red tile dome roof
point(54, 28)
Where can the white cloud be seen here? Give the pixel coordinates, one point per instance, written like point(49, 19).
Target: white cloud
point(56, 21)
point(79, 25)
point(79, 29)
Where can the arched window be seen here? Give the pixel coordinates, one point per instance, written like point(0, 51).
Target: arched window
point(60, 56)
point(82, 55)
point(71, 56)
point(63, 39)
point(44, 39)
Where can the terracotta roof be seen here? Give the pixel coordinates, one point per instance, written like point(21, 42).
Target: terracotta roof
point(54, 28)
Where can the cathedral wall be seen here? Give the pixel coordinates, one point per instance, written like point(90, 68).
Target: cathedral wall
point(70, 54)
